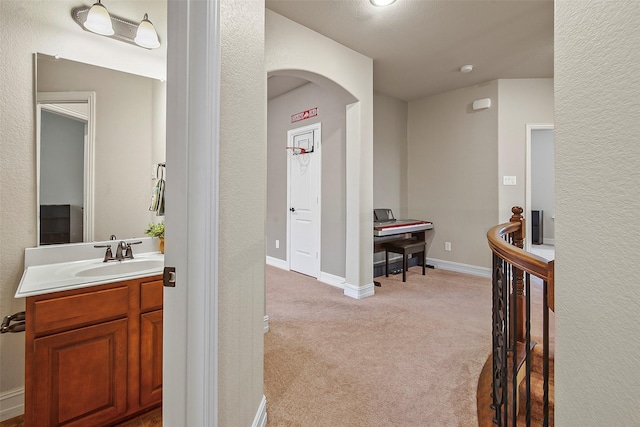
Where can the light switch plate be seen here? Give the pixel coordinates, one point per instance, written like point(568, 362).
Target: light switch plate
point(509, 180)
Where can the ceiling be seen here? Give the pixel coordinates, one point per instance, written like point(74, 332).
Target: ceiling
point(418, 46)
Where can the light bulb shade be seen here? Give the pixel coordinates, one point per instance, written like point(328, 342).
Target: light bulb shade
point(146, 35)
point(382, 2)
point(98, 20)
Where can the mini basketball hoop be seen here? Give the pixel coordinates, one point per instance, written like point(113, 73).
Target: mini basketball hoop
point(296, 150)
point(301, 155)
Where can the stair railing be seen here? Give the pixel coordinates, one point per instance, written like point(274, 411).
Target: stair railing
point(511, 318)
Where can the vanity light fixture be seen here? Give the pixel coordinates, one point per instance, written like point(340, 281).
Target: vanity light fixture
point(146, 35)
point(382, 2)
point(98, 20)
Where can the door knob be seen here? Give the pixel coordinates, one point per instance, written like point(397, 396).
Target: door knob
point(292, 209)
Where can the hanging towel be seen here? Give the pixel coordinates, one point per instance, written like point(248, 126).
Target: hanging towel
point(157, 195)
point(160, 211)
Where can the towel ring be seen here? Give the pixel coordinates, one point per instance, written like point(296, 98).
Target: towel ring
point(160, 170)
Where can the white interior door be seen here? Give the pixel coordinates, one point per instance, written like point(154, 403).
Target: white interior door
point(304, 170)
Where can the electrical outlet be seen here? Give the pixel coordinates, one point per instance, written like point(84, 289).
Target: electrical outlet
point(277, 244)
point(447, 246)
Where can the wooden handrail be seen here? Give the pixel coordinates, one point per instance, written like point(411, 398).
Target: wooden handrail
point(531, 263)
point(511, 322)
point(523, 260)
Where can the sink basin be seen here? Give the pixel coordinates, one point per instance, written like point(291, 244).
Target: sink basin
point(59, 276)
point(122, 267)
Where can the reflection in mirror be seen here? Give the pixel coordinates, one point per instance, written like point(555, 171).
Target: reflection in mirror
point(65, 140)
point(100, 134)
point(63, 136)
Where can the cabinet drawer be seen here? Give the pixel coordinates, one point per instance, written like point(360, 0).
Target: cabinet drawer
point(151, 295)
point(57, 314)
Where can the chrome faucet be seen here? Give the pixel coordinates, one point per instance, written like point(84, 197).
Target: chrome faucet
point(108, 256)
point(123, 251)
point(122, 245)
point(128, 254)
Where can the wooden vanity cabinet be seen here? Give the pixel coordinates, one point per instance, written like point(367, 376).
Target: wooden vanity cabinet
point(151, 343)
point(94, 355)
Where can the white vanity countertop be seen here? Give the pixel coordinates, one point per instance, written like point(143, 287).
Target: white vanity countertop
point(64, 276)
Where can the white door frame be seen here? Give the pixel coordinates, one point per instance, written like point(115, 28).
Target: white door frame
point(317, 150)
point(527, 192)
point(190, 350)
point(54, 101)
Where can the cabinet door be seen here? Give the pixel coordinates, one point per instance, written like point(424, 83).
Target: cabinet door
point(151, 358)
point(81, 376)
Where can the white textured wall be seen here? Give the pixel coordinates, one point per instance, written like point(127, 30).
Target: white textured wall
point(597, 90)
point(242, 208)
point(27, 27)
point(452, 175)
point(331, 113)
point(522, 101)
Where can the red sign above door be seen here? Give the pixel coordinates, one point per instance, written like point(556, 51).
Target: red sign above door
point(304, 115)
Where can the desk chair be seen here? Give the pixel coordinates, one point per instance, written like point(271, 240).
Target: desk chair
point(406, 248)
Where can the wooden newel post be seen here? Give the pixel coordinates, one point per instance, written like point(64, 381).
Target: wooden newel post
point(518, 241)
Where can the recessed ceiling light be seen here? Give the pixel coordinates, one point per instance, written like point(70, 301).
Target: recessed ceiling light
point(382, 2)
point(466, 68)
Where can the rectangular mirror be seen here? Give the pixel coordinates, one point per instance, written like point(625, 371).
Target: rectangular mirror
point(100, 135)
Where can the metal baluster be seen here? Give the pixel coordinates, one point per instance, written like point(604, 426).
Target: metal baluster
point(545, 351)
point(500, 331)
point(497, 365)
point(514, 336)
point(528, 345)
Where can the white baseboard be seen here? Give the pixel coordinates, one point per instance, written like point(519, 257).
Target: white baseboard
point(11, 404)
point(277, 262)
point(474, 270)
point(359, 292)
point(260, 420)
point(266, 323)
point(332, 279)
point(328, 278)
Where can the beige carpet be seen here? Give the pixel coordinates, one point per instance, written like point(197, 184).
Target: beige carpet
point(408, 356)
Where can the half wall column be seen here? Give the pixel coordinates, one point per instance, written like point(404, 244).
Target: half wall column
point(359, 242)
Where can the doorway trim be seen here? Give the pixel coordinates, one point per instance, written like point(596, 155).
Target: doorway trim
point(190, 347)
point(530, 127)
point(54, 101)
point(290, 135)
